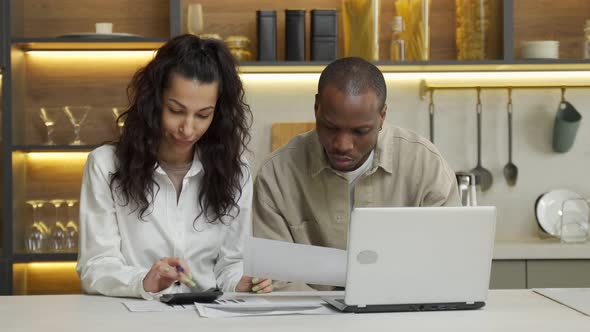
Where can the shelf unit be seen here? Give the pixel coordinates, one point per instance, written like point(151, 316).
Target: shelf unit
point(20, 135)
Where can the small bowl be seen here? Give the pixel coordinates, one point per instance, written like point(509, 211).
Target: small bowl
point(540, 49)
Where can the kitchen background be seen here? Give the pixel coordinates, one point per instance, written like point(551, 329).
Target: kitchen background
point(51, 57)
point(540, 169)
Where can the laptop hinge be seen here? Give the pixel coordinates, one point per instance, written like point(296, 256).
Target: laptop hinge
point(362, 306)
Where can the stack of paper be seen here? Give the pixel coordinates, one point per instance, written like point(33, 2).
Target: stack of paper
point(154, 306)
point(256, 306)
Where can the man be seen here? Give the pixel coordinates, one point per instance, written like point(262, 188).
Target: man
point(305, 191)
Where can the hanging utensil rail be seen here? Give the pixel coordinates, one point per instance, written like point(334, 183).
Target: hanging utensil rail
point(426, 89)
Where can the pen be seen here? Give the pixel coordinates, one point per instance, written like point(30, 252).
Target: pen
point(188, 279)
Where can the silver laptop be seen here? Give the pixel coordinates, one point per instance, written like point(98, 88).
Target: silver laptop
point(418, 259)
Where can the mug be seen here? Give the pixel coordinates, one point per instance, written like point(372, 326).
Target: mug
point(567, 121)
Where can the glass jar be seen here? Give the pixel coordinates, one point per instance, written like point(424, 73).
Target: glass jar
point(238, 46)
point(360, 26)
point(210, 36)
point(416, 16)
point(473, 22)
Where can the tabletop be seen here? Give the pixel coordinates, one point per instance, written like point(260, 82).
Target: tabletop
point(505, 310)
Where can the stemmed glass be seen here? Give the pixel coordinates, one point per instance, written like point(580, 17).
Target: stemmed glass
point(77, 115)
point(194, 18)
point(71, 227)
point(117, 112)
point(49, 116)
point(58, 231)
point(37, 234)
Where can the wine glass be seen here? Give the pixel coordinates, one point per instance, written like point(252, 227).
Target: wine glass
point(71, 227)
point(117, 112)
point(194, 18)
point(36, 235)
point(77, 115)
point(49, 116)
point(58, 231)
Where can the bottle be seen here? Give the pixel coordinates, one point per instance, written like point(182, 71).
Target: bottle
point(587, 40)
point(398, 44)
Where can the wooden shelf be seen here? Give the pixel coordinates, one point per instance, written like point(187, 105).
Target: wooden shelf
point(53, 148)
point(53, 257)
point(430, 66)
point(75, 44)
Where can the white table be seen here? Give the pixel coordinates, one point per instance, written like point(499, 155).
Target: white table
point(506, 310)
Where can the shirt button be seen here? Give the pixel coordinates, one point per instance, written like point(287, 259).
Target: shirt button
point(338, 219)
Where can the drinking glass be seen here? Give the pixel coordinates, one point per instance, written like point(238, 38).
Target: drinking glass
point(575, 220)
point(49, 116)
point(117, 112)
point(77, 115)
point(194, 18)
point(36, 235)
point(71, 228)
point(58, 231)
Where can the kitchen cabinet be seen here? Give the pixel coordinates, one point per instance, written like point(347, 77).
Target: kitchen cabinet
point(558, 273)
point(508, 274)
point(43, 69)
point(540, 273)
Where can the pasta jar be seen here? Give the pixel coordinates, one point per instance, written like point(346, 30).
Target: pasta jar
point(238, 46)
point(473, 22)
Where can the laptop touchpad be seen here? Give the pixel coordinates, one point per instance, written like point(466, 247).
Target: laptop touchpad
point(367, 257)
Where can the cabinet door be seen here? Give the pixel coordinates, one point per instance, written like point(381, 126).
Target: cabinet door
point(508, 274)
point(558, 273)
point(3, 29)
point(4, 274)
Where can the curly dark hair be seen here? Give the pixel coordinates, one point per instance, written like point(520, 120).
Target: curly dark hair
point(220, 148)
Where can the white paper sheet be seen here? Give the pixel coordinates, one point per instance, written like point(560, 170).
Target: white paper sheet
point(252, 306)
point(295, 262)
point(575, 298)
point(155, 306)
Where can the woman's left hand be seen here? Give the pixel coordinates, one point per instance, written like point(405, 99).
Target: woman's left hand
point(256, 285)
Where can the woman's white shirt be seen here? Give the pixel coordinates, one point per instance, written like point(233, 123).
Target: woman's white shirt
point(117, 249)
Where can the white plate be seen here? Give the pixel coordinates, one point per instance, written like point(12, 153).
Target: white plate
point(93, 35)
point(548, 209)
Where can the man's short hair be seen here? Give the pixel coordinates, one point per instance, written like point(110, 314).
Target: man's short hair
point(354, 76)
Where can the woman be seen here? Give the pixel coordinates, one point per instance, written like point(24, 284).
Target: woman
point(167, 208)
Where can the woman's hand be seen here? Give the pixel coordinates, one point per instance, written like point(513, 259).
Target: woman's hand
point(256, 285)
point(165, 272)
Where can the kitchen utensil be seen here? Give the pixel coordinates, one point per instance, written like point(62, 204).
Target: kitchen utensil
point(510, 170)
point(485, 176)
point(548, 209)
point(567, 122)
point(431, 116)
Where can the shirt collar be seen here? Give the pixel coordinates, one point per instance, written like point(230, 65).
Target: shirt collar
point(196, 166)
point(383, 153)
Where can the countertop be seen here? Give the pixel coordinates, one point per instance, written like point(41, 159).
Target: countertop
point(537, 248)
point(505, 310)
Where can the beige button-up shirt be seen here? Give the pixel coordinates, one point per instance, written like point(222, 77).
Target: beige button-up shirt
point(299, 198)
